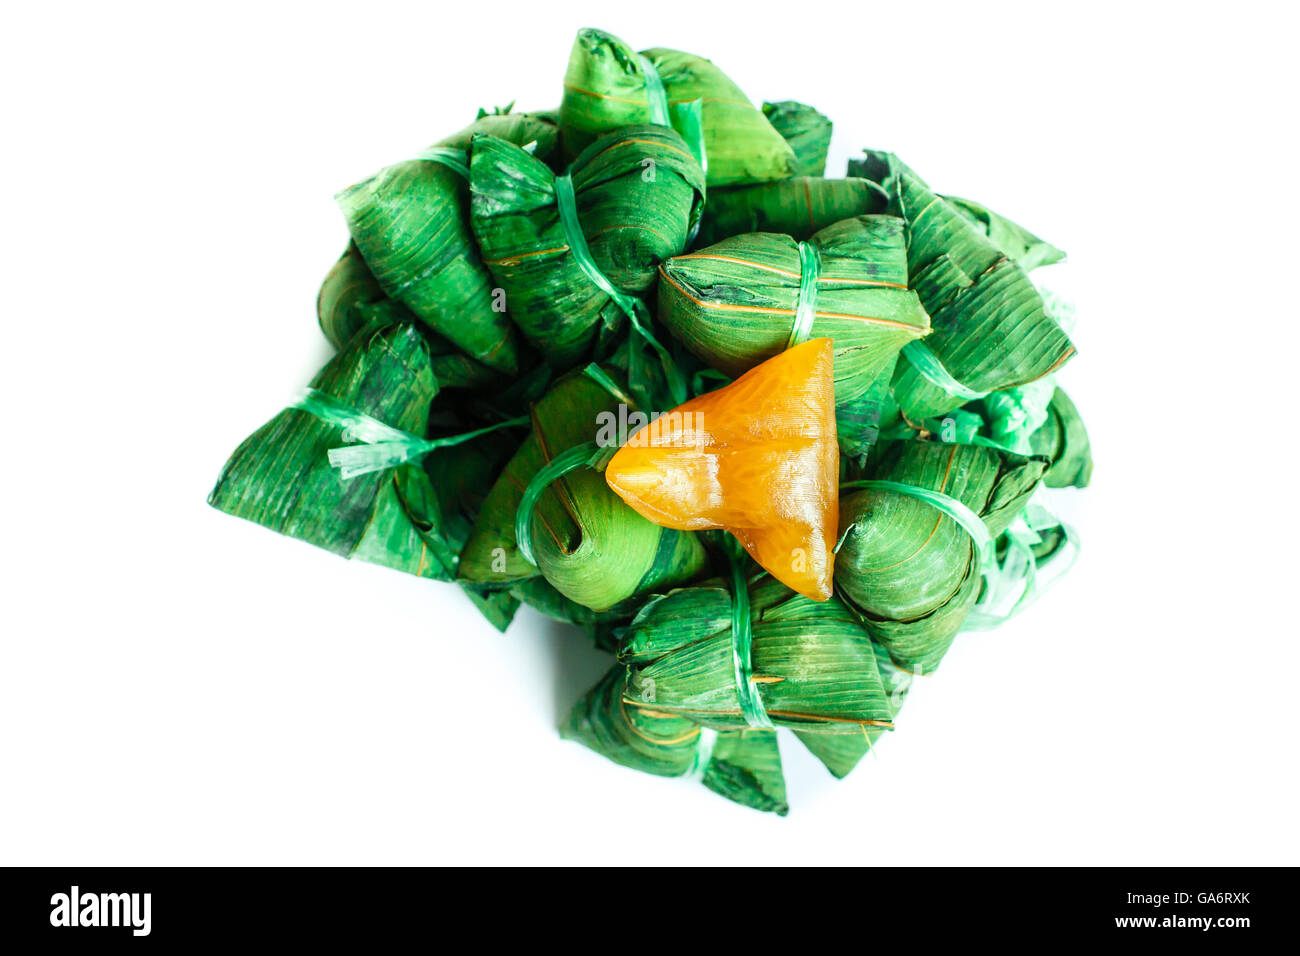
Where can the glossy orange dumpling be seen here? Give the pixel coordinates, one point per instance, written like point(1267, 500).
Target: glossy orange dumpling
point(757, 458)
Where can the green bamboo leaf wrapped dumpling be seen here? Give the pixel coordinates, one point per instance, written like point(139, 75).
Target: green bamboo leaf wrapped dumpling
point(806, 130)
point(741, 765)
point(912, 570)
point(733, 305)
point(414, 517)
point(350, 299)
point(410, 223)
point(991, 331)
point(637, 194)
point(606, 87)
point(813, 665)
point(589, 545)
point(281, 477)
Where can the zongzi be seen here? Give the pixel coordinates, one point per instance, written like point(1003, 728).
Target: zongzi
point(571, 251)
point(741, 765)
point(991, 330)
point(807, 131)
point(281, 476)
point(909, 558)
point(410, 223)
point(757, 457)
point(806, 664)
point(608, 85)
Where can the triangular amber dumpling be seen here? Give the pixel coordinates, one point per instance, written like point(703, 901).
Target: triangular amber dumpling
point(757, 458)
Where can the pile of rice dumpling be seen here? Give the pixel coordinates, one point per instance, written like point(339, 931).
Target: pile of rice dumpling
point(773, 439)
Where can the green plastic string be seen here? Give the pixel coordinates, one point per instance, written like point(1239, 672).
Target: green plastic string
point(1020, 571)
point(929, 367)
point(703, 754)
point(970, 522)
point(453, 159)
point(810, 264)
point(381, 446)
point(601, 378)
point(688, 121)
point(742, 647)
point(588, 454)
point(654, 89)
point(631, 306)
point(686, 118)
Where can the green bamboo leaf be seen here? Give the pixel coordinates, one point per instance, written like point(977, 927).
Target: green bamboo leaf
point(637, 192)
point(911, 570)
point(410, 223)
point(842, 752)
point(1014, 241)
point(741, 765)
point(1063, 440)
point(606, 87)
point(351, 300)
point(807, 131)
point(813, 663)
point(990, 328)
point(794, 207)
point(281, 477)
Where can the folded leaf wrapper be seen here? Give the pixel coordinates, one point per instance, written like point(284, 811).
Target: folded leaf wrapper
point(589, 545)
point(813, 664)
point(1013, 241)
point(807, 131)
point(637, 193)
point(606, 87)
point(412, 518)
point(281, 477)
point(842, 752)
point(410, 223)
point(741, 765)
point(1064, 441)
point(351, 300)
point(734, 304)
point(991, 331)
point(796, 207)
point(911, 569)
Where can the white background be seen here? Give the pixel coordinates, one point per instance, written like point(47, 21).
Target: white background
point(178, 686)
